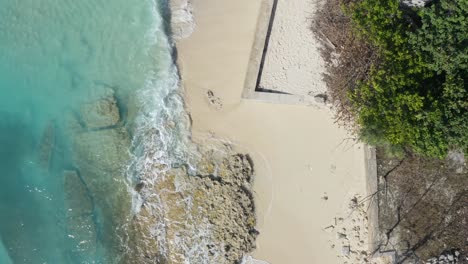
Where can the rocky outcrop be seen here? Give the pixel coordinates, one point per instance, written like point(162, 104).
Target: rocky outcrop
point(207, 218)
point(226, 200)
point(182, 22)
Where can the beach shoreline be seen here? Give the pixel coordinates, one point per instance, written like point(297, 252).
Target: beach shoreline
point(307, 168)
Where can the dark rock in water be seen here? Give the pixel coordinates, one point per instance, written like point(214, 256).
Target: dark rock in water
point(103, 150)
point(139, 186)
point(102, 111)
point(80, 225)
point(46, 147)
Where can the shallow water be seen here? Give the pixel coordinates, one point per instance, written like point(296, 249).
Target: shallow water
point(53, 54)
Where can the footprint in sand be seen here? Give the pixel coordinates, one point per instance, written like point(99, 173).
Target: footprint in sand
point(214, 100)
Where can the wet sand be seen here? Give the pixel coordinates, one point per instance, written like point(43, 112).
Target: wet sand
point(300, 154)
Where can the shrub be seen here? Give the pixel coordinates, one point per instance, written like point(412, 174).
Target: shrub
point(413, 97)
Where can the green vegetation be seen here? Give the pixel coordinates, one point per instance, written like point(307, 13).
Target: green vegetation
point(414, 96)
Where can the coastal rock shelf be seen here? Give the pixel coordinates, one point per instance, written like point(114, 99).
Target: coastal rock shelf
point(211, 211)
point(206, 218)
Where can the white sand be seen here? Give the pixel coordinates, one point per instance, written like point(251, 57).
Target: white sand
point(298, 151)
point(293, 63)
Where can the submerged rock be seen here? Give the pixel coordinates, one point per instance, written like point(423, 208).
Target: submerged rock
point(46, 146)
point(102, 157)
point(102, 111)
point(100, 151)
point(80, 224)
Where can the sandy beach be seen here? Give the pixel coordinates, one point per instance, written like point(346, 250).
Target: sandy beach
point(307, 169)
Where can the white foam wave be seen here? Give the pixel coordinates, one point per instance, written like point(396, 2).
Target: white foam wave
point(161, 141)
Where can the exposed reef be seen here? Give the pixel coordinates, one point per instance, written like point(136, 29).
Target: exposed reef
point(204, 218)
point(202, 215)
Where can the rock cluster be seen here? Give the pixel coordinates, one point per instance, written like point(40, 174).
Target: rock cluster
point(351, 233)
point(448, 257)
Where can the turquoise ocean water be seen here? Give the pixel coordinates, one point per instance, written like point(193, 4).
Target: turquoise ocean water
point(53, 53)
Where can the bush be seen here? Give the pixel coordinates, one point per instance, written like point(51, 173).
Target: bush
point(414, 97)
